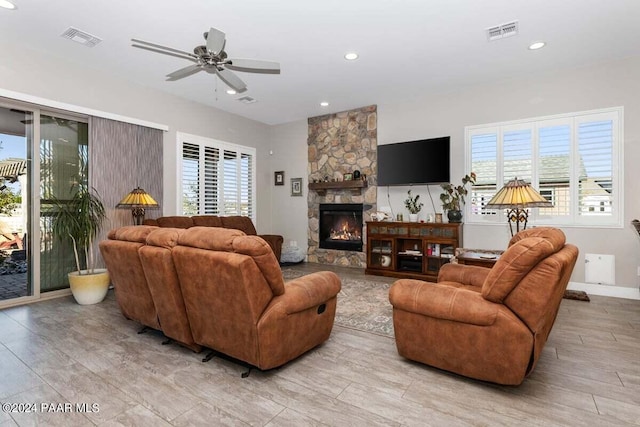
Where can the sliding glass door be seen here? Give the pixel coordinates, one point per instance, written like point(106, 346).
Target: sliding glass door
point(16, 130)
point(63, 165)
point(43, 156)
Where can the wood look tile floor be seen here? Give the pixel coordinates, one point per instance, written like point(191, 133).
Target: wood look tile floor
point(58, 352)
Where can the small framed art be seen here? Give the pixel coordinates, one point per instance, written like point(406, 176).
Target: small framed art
point(347, 177)
point(278, 178)
point(296, 186)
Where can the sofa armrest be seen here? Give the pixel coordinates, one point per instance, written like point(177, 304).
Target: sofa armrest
point(308, 291)
point(470, 275)
point(443, 302)
point(275, 241)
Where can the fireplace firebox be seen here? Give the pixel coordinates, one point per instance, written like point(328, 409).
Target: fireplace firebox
point(341, 226)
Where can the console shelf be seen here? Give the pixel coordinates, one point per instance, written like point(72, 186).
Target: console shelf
point(410, 249)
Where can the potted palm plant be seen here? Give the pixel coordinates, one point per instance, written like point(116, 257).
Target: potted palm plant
point(453, 197)
point(80, 219)
point(413, 205)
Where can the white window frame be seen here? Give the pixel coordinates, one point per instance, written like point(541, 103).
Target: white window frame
point(182, 137)
point(574, 219)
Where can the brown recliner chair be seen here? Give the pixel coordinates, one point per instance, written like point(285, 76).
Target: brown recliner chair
point(164, 285)
point(120, 254)
point(238, 303)
point(488, 324)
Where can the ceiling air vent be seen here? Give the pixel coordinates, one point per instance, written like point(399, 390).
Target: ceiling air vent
point(502, 31)
point(81, 37)
point(247, 100)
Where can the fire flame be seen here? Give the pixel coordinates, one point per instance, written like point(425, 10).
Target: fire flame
point(343, 232)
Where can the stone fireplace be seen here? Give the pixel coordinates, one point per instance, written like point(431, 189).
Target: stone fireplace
point(339, 144)
point(341, 226)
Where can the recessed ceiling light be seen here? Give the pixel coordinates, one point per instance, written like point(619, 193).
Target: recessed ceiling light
point(324, 104)
point(7, 4)
point(231, 92)
point(350, 56)
point(536, 45)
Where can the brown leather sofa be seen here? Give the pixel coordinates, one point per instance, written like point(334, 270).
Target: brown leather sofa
point(146, 285)
point(238, 304)
point(488, 324)
point(120, 254)
point(237, 222)
point(164, 285)
point(221, 289)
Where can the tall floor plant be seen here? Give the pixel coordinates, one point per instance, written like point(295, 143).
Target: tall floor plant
point(80, 219)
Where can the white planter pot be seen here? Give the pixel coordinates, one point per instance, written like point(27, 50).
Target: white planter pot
point(89, 288)
point(413, 217)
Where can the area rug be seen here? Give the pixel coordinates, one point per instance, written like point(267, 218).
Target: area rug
point(362, 304)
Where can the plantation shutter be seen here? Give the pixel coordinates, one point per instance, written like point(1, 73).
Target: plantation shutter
point(211, 158)
point(190, 179)
point(573, 160)
point(484, 148)
point(246, 183)
point(517, 151)
point(231, 183)
point(595, 149)
point(217, 178)
point(554, 168)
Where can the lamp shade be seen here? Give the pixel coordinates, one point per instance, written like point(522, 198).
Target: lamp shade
point(137, 198)
point(518, 194)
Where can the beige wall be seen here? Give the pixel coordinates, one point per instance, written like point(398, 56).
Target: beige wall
point(35, 74)
point(289, 216)
point(608, 85)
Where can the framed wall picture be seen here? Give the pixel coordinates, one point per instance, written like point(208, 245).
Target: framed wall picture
point(296, 186)
point(347, 177)
point(279, 178)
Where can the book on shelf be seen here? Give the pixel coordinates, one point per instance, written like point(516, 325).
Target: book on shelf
point(410, 252)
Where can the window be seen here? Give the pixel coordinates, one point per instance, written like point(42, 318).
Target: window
point(573, 160)
point(216, 178)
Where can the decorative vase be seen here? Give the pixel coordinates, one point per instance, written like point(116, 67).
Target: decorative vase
point(454, 216)
point(413, 217)
point(385, 261)
point(89, 288)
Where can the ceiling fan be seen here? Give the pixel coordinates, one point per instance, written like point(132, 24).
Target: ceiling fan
point(213, 59)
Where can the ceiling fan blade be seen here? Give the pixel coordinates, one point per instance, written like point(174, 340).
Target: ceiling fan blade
point(215, 40)
point(253, 66)
point(181, 56)
point(233, 81)
point(184, 72)
point(162, 48)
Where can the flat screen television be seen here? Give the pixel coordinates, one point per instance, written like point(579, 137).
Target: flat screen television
point(425, 161)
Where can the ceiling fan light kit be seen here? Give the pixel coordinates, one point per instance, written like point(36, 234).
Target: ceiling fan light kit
point(213, 59)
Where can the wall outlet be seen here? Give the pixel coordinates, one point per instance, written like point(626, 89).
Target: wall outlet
point(638, 271)
point(294, 244)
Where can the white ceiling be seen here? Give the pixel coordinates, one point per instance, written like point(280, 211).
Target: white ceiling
point(408, 48)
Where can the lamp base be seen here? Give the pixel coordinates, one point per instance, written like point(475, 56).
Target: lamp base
point(138, 215)
point(517, 216)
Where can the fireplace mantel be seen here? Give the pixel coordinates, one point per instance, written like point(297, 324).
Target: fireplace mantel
point(321, 187)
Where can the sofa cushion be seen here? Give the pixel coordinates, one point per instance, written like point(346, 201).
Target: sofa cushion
point(515, 263)
point(131, 233)
point(233, 240)
point(243, 223)
point(551, 233)
point(175, 221)
point(164, 237)
point(207, 221)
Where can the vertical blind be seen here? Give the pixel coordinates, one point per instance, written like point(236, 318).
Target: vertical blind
point(217, 178)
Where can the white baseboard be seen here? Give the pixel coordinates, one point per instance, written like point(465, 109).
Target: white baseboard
point(606, 290)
